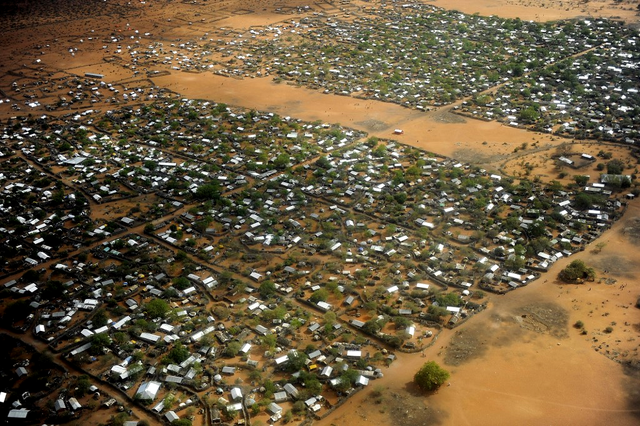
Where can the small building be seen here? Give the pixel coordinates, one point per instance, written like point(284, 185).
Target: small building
point(291, 390)
point(324, 306)
point(280, 396)
point(18, 414)
point(354, 354)
point(274, 408)
point(171, 416)
point(74, 404)
point(362, 380)
point(148, 390)
point(326, 371)
point(149, 337)
point(229, 371)
point(236, 394)
point(262, 330)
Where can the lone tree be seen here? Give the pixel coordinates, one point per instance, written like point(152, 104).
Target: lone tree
point(157, 308)
point(577, 271)
point(431, 376)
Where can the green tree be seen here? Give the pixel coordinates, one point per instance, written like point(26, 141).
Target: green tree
point(100, 318)
point(82, 385)
point(330, 318)
point(430, 376)
point(98, 342)
point(347, 380)
point(449, 299)
point(232, 349)
point(281, 161)
point(402, 322)
point(583, 201)
point(210, 191)
point(380, 151)
point(16, 311)
point(181, 283)
point(323, 162)
point(297, 361)
point(267, 289)
point(157, 308)
point(615, 167)
point(320, 295)
point(179, 353)
point(577, 271)
point(581, 180)
point(529, 115)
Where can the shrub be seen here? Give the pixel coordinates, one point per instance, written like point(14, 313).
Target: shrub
point(576, 272)
point(431, 376)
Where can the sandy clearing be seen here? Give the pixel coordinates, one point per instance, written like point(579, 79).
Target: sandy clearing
point(542, 10)
point(438, 131)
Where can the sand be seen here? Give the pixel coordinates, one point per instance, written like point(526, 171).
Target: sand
point(544, 10)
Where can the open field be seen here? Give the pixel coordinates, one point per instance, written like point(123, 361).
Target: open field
point(231, 196)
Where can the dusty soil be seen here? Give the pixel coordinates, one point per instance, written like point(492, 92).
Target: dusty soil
point(541, 160)
point(544, 10)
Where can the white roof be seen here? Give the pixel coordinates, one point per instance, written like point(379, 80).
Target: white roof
point(148, 390)
point(18, 414)
point(171, 416)
point(362, 380)
point(236, 393)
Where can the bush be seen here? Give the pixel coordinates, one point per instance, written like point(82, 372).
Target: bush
point(267, 289)
point(615, 167)
point(298, 407)
point(320, 295)
point(431, 376)
point(576, 272)
point(179, 353)
point(579, 324)
point(232, 349)
point(157, 308)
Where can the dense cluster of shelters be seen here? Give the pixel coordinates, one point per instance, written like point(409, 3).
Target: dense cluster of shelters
point(213, 263)
point(594, 95)
point(412, 54)
point(274, 263)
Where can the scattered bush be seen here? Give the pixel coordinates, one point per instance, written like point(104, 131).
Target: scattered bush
point(431, 376)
